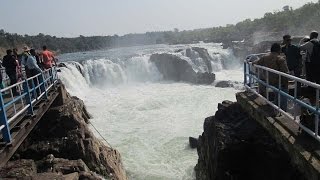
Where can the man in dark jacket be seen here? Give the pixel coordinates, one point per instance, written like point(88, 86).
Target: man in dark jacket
point(312, 63)
point(10, 63)
point(278, 63)
point(293, 57)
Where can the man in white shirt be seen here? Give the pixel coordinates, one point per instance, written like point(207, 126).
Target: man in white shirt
point(34, 69)
point(31, 63)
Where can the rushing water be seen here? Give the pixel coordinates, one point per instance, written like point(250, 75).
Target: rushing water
point(147, 119)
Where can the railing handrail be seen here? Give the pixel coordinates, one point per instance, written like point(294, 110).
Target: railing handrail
point(258, 54)
point(39, 84)
point(317, 86)
point(254, 77)
point(21, 82)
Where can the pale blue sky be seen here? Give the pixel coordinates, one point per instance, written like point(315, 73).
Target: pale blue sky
point(108, 17)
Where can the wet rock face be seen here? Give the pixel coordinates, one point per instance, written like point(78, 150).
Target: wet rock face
point(50, 167)
point(233, 146)
point(174, 68)
point(62, 143)
point(203, 53)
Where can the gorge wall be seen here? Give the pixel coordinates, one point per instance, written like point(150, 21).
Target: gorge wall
point(234, 146)
point(62, 146)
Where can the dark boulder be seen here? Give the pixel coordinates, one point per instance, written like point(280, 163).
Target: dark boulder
point(193, 142)
point(62, 65)
point(230, 84)
point(174, 68)
point(189, 53)
point(224, 84)
point(234, 146)
point(205, 78)
point(179, 50)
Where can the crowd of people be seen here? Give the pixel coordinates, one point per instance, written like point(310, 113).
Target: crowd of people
point(301, 60)
point(33, 63)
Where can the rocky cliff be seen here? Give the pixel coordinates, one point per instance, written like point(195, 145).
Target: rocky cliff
point(62, 147)
point(234, 146)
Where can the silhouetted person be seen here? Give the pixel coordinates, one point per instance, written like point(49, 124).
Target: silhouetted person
point(9, 62)
point(293, 57)
point(312, 49)
point(274, 61)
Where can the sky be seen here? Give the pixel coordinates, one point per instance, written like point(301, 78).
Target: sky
point(71, 18)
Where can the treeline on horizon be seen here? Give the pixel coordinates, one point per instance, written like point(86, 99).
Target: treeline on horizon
point(298, 22)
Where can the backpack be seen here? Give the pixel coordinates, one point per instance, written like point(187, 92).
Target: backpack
point(315, 56)
point(7, 62)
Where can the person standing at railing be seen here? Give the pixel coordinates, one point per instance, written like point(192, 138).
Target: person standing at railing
point(293, 57)
point(9, 62)
point(24, 57)
point(274, 61)
point(39, 61)
point(312, 49)
point(17, 55)
point(47, 58)
point(33, 68)
point(32, 64)
point(18, 61)
point(304, 55)
point(1, 78)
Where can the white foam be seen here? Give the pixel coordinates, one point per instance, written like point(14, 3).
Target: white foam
point(150, 124)
point(148, 120)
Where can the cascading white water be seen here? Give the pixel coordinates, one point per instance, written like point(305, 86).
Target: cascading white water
point(146, 119)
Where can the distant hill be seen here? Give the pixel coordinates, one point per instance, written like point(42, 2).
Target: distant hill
point(298, 22)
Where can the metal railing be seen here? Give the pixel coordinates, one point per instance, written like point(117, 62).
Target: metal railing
point(257, 77)
point(21, 97)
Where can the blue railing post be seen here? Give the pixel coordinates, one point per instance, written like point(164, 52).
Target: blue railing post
point(42, 86)
point(317, 115)
point(4, 121)
point(250, 75)
point(33, 90)
point(54, 74)
point(245, 72)
point(28, 96)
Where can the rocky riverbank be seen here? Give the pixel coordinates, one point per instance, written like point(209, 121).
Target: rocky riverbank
point(234, 146)
point(63, 147)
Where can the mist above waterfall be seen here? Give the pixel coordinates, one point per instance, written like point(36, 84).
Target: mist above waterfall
point(133, 65)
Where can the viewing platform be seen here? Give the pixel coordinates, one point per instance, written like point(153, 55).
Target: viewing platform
point(19, 113)
point(295, 128)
